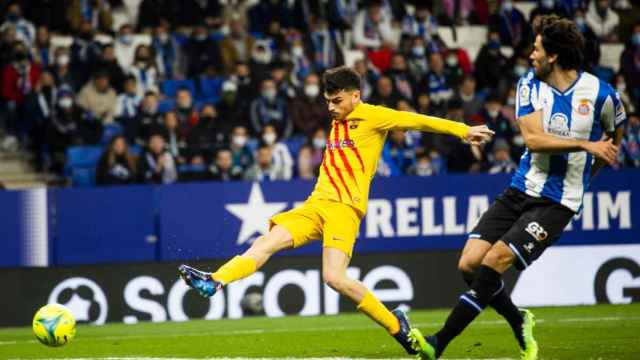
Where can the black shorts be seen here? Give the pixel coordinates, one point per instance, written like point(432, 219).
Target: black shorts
point(527, 224)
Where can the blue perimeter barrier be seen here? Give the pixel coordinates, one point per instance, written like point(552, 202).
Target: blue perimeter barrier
point(219, 220)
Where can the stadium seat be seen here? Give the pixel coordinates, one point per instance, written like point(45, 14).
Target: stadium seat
point(166, 105)
point(170, 87)
point(110, 131)
point(210, 89)
point(81, 164)
point(295, 143)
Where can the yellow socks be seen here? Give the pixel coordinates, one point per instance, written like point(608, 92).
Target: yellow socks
point(379, 313)
point(235, 269)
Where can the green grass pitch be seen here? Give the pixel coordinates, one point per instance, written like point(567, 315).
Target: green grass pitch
point(588, 332)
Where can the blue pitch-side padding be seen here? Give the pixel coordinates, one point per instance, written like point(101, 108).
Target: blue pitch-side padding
point(170, 87)
point(218, 220)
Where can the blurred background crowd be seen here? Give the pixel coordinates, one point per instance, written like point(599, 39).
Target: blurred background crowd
point(159, 91)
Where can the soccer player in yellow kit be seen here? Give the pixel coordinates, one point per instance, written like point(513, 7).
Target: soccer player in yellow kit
point(339, 201)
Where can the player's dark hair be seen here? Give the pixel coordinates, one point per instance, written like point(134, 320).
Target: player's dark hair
point(340, 78)
point(561, 37)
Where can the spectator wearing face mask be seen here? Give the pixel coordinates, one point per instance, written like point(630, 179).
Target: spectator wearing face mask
point(237, 46)
point(417, 63)
point(603, 20)
point(223, 168)
point(436, 84)
point(422, 24)
point(269, 108)
point(96, 12)
point(63, 130)
point(61, 70)
point(169, 57)
point(457, 65)
point(308, 110)
point(144, 70)
point(318, 142)
point(124, 46)
point(281, 155)
point(493, 118)
point(24, 29)
point(230, 109)
point(240, 151)
point(510, 24)
point(117, 166)
point(423, 166)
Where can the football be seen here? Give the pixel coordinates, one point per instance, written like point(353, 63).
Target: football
point(54, 325)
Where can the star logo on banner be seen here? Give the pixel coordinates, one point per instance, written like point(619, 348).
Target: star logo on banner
point(255, 214)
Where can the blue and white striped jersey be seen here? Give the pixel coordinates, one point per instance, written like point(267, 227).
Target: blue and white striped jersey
point(586, 110)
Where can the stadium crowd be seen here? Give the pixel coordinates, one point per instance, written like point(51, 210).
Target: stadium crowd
point(230, 89)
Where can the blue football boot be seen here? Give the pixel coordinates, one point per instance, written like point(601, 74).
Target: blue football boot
point(200, 281)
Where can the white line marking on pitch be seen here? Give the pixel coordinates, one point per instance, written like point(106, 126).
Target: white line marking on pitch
point(241, 358)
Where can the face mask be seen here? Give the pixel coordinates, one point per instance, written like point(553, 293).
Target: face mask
point(579, 22)
point(417, 51)
point(511, 101)
point(151, 110)
point(269, 94)
point(262, 57)
point(635, 39)
point(163, 38)
point(318, 143)
point(547, 4)
point(65, 102)
point(269, 138)
point(493, 113)
point(519, 70)
point(493, 45)
point(312, 90)
point(126, 39)
point(62, 60)
point(239, 140)
point(201, 37)
point(297, 51)
point(452, 61)
point(507, 6)
point(621, 87)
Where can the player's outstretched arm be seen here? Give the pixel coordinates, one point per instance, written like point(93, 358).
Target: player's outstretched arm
point(539, 141)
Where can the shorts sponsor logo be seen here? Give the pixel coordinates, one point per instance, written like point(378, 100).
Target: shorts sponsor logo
point(538, 232)
point(529, 247)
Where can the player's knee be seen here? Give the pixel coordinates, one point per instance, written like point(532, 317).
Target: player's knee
point(334, 280)
point(500, 256)
point(467, 265)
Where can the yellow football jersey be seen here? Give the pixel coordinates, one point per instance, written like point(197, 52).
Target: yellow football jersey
point(354, 146)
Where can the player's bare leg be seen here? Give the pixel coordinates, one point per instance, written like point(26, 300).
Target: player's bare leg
point(334, 274)
point(241, 266)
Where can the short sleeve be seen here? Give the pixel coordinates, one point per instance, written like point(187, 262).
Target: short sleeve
point(613, 113)
point(527, 95)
